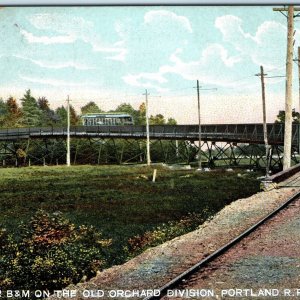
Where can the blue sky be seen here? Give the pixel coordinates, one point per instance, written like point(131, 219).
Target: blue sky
point(111, 55)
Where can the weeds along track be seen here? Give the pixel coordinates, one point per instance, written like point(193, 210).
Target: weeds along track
point(191, 274)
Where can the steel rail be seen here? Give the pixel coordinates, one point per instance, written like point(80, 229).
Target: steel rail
point(195, 268)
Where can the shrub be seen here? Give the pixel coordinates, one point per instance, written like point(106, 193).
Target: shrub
point(50, 253)
point(165, 232)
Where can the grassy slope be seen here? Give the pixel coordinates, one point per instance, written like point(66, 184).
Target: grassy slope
point(118, 200)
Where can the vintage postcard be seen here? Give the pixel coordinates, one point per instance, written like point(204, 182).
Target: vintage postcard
point(149, 152)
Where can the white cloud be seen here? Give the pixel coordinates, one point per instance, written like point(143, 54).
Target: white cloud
point(214, 55)
point(119, 57)
point(268, 28)
point(62, 65)
point(62, 23)
point(71, 29)
point(217, 50)
point(57, 65)
point(102, 48)
point(265, 47)
point(121, 52)
point(62, 39)
point(51, 81)
point(154, 15)
point(230, 26)
point(134, 80)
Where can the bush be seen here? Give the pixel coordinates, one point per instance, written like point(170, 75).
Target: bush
point(50, 253)
point(165, 232)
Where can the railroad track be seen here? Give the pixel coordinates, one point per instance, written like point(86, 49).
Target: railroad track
point(183, 277)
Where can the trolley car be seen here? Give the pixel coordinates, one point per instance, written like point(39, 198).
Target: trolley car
point(98, 119)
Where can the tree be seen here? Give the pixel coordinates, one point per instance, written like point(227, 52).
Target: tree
point(3, 112)
point(43, 104)
point(62, 114)
point(281, 117)
point(128, 109)
point(49, 116)
point(32, 115)
point(142, 114)
point(91, 107)
point(74, 118)
point(14, 113)
point(172, 121)
point(159, 119)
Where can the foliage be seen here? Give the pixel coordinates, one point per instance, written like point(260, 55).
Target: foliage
point(38, 113)
point(14, 112)
point(90, 107)
point(50, 253)
point(127, 108)
point(120, 201)
point(165, 232)
point(171, 121)
point(74, 118)
point(142, 114)
point(62, 115)
point(3, 112)
point(10, 113)
point(157, 120)
point(49, 117)
point(281, 117)
point(31, 113)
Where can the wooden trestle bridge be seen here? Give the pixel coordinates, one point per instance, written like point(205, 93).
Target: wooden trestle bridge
point(222, 144)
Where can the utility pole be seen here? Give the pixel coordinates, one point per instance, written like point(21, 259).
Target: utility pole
point(200, 130)
point(147, 128)
point(199, 124)
point(262, 77)
point(297, 60)
point(287, 149)
point(68, 134)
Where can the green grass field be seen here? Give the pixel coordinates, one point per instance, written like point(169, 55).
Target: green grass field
point(120, 201)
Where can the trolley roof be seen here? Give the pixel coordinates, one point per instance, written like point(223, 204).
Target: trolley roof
point(106, 115)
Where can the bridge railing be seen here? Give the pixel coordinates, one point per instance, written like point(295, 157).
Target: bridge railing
point(219, 132)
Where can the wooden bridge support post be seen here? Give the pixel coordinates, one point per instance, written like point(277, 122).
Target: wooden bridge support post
point(76, 152)
point(99, 154)
point(177, 149)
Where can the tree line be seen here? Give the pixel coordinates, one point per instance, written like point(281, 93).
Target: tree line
point(37, 112)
